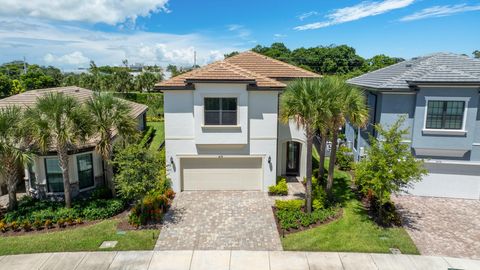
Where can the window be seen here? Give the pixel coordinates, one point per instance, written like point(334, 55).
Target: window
point(85, 171)
point(445, 114)
point(220, 111)
point(54, 175)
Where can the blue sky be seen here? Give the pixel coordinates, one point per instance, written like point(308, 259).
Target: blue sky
point(70, 33)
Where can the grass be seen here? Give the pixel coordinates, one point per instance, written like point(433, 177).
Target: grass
point(159, 137)
point(353, 232)
point(86, 238)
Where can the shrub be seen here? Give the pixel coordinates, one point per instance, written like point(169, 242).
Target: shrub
point(27, 226)
point(293, 218)
point(152, 207)
point(61, 223)
point(14, 226)
point(37, 224)
point(344, 159)
point(79, 221)
point(101, 193)
point(279, 189)
point(147, 137)
point(48, 224)
point(139, 171)
point(102, 209)
point(3, 227)
point(289, 205)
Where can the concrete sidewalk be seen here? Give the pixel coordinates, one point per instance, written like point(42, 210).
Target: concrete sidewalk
point(225, 259)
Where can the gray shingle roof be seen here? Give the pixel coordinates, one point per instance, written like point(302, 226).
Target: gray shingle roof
point(434, 68)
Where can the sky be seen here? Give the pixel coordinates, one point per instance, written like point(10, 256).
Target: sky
point(70, 33)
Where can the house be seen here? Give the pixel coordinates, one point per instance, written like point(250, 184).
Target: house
point(439, 96)
point(43, 177)
point(222, 130)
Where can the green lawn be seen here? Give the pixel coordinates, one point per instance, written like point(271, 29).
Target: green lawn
point(159, 134)
point(353, 232)
point(86, 238)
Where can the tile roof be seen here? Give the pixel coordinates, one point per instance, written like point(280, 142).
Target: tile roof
point(434, 68)
point(269, 67)
point(29, 98)
point(258, 71)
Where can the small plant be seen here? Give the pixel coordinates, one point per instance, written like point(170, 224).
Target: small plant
point(61, 223)
point(344, 159)
point(279, 189)
point(14, 226)
point(79, 221)
point(37, 224)
point(289, 205)
point(70, 221)
point(27, 226)
point(48, 224)
point(3, 227)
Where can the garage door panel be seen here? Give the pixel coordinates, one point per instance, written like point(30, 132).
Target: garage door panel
point(222, 173)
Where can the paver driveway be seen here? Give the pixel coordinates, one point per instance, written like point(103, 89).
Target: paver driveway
point(441, 226)
point(239, 220)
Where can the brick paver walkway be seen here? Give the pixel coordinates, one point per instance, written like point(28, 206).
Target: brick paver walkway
point(441, 226)
point(239, 220)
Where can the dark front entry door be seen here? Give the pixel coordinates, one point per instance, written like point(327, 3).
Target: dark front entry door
point(293, 158)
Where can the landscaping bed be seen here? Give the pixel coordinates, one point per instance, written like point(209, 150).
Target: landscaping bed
point(300, 221)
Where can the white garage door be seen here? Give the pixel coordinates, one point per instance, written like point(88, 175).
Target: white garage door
point(449, 180)
point(222, 173)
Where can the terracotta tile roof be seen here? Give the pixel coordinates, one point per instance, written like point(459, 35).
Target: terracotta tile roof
point(259, 71)
point(269, 67)
point(29, 98)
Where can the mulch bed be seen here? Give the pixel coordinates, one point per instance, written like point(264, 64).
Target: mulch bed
point(282, 232)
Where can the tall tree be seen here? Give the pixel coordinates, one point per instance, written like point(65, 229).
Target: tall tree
point(110, 117)
point(59, 122)
point(300, 103)
point(14, 152)
point(347, 103)
point(476, 54)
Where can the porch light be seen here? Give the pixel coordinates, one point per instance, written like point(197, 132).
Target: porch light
point(171, 160)
point(269, 159)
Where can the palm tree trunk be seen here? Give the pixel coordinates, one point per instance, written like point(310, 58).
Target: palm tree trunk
point(321, 163)
point(11, 175)
point(331, 165)
point(308, 199)
point(63, 160)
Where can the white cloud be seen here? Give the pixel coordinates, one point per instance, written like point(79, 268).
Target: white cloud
point(279, 36)
point(356, 12)
point(74, 58)
point(440, 11)
point(93, 11)
point(240, 30)
point(71, 47)
point(305, 15)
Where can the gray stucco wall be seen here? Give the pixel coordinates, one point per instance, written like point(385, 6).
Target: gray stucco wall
point(447, 142)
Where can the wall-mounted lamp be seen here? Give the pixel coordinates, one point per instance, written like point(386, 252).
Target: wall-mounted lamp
point(269, 159)
point(171, 160)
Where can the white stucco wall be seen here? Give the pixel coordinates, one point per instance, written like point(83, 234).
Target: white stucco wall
point(39, 167)
point(255, 135)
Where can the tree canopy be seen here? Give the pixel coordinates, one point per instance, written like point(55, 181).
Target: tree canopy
point(329, 60)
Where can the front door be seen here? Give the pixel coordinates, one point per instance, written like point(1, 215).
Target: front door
point(293, 158)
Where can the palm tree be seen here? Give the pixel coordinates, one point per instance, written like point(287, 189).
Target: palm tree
point(13, 149)
point(347, 104)
point(58, 122)
point(301, 102)
point(110, 116)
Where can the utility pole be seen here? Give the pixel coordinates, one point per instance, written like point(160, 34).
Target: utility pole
point(24, 66)
point(194, 59)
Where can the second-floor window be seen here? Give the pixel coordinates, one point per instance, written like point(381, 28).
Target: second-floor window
point(220, 111)
point(445, 114)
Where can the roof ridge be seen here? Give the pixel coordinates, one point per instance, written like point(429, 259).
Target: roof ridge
point(254, 73)
point(225, 65)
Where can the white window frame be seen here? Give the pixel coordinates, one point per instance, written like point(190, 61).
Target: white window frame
point(430, 131)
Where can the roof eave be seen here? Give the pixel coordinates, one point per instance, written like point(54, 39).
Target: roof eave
point(246, 81)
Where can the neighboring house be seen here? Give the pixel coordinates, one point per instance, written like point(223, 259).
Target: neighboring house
point(439, 96)
point(44, 176)
point(222, 130)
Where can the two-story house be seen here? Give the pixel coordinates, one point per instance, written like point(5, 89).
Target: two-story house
point(222, 130)
point(439, 96)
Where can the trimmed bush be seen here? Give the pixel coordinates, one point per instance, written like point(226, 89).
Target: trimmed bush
point(344, 158)
point(289, 205)
point(281, 188)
